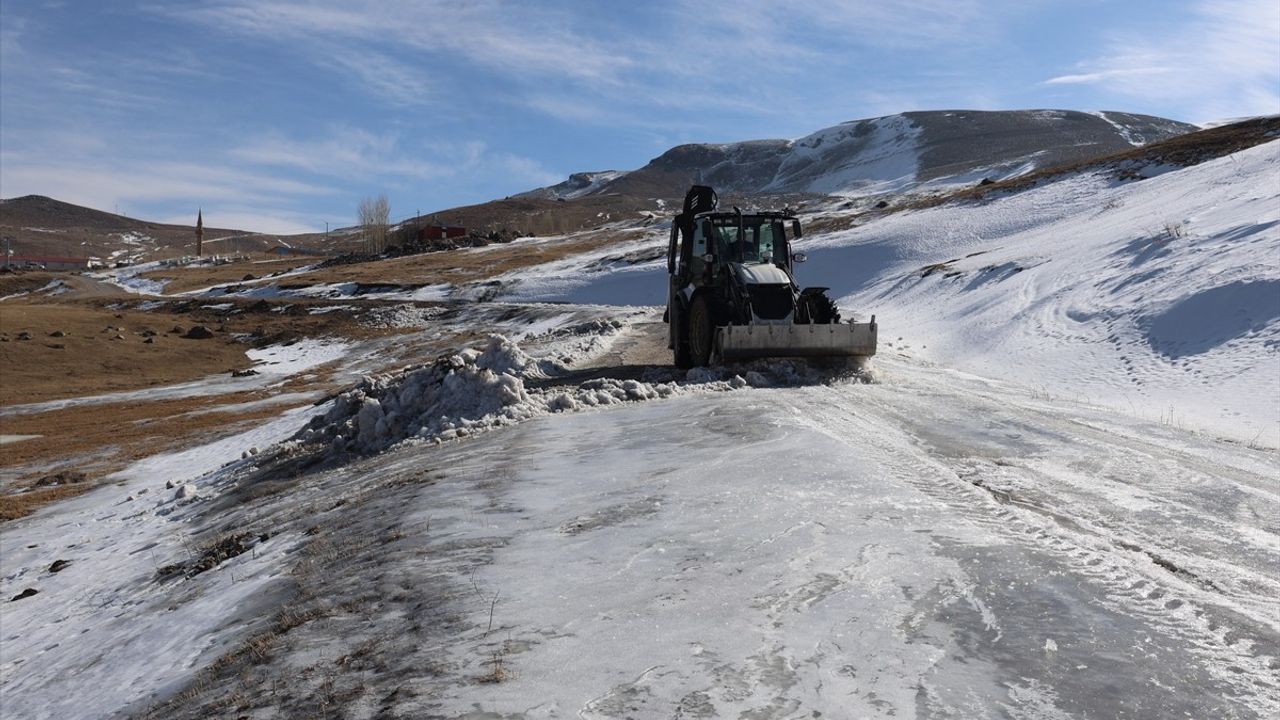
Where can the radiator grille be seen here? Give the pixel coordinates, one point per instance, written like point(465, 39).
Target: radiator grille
point(771, 302)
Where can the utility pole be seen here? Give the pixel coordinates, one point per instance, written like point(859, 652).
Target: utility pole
point(200, 232)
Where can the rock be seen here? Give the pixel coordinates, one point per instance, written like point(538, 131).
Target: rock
point(244, 373)
point(56, 346)
point(149, 341)
point(57, 333)
point(59, 565)
point(178, 330)
point(882, 204)
point(187, 492)
point(24, 594)
point(199, 332)
point(119, 316)
point(248, 277)
point(24, 335)
point(169, 485)
point(117, 336)
point(987, 181)
point(148, 332)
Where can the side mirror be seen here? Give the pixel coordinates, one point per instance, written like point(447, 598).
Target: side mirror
point(799, 257)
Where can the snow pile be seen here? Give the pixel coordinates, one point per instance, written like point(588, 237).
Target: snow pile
point(457, 395)
point(473, 391)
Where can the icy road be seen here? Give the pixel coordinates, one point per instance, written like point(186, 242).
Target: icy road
point(932, 545)
point(935, 546)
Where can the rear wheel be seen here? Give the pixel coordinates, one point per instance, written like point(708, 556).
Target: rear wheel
point(702, 328)
point(680, 344)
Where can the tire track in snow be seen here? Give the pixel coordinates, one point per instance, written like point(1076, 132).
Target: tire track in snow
point(1156, 595)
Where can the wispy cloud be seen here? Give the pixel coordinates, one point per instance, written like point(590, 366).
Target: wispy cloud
point(1223, 60)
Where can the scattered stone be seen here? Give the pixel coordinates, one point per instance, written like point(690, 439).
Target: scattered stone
point(119, 316)
point(117, 336)
point(56, 346)
point(248, 277)
point(24, 335)
point(178, 330)
point(187, 492)
point(199, 332)
point(57, 333)
point(169, 485)
point(24, 594)
point(148, 332)
point(987, 181)
point(882, 204)
point(149, 341)
point(59, 565)
point(244, 373)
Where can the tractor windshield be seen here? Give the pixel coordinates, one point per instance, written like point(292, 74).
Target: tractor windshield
point(763, 239)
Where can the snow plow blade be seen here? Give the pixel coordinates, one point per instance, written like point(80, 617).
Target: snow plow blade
point(743, 342)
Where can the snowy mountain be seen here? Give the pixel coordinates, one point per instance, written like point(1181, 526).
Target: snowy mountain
point(888, 154)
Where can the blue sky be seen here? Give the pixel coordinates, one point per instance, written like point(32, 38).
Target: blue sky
point(279, 116)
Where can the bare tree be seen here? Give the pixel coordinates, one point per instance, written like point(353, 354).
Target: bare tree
point(375, 216)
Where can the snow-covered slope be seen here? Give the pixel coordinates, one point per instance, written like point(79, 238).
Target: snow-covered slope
point(578, 184)
point(887, 154)
point(1160, 297)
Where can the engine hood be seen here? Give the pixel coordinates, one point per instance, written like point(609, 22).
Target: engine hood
point(761, 274)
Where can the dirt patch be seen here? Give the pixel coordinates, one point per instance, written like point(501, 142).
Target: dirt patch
point(99, 351)
point(106, 438)
point(14, 506)
point(472, 264)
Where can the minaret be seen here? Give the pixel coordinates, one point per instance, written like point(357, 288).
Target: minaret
point(199, 232)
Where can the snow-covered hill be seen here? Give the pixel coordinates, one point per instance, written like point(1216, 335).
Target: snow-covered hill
point(888, 154)
point(1160, 297)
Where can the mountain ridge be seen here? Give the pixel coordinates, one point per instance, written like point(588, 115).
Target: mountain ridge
point(892, 153)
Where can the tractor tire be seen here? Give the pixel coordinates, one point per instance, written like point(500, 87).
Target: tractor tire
point(820, 309)
point(702, 332)
point(681, 357)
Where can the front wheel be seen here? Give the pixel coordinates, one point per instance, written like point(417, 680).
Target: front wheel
point(819, 309)
point(702, 330)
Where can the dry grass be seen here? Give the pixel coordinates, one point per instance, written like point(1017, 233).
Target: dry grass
point(468, 265)
point(20, 505)
point(102, 350)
